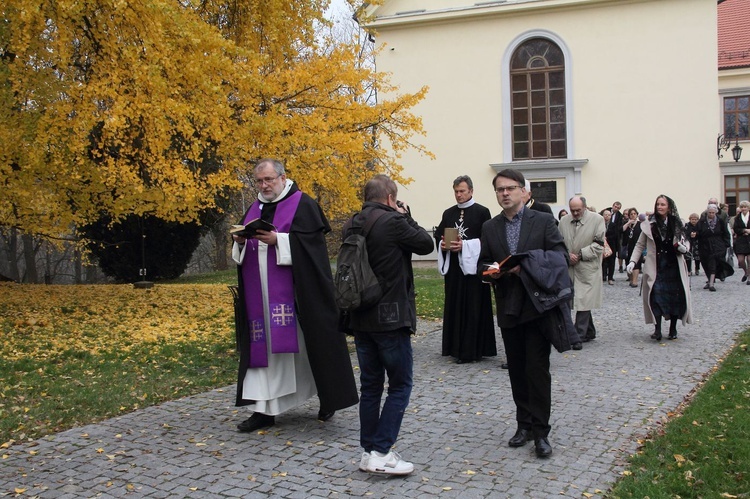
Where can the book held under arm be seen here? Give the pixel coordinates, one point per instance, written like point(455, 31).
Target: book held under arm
point(508, 263)
point(251, 228)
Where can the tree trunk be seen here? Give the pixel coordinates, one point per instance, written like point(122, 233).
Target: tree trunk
point(29, 257)
point(12, 240)
point(221, 245)
point(77, 267)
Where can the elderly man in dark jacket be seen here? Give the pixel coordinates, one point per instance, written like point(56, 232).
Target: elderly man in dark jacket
point(525, 330)
point(382, 333)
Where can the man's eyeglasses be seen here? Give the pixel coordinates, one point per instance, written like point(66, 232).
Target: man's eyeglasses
point(268, 181)
point(509, 188)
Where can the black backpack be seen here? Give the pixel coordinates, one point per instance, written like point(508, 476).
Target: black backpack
point(355, 284)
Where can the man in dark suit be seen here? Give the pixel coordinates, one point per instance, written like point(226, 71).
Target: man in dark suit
point(617, 221)
point(517, 230)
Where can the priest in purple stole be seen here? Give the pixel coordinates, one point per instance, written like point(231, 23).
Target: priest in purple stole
point(290, 346)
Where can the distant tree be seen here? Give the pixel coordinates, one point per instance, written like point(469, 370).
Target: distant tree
point(167, 246)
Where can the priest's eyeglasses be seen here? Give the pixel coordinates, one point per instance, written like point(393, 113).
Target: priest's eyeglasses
point(267, 181)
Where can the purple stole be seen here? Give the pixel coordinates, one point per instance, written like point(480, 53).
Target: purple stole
point(283, 334)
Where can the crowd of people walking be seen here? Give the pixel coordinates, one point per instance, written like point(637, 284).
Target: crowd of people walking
point(541, 268)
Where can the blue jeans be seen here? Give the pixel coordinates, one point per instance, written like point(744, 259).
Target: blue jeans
point(378, 354)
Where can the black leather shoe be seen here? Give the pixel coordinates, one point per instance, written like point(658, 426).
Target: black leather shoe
point(504, 365)
point(578, 346)
point(542, 447)
point(325, 416)
point(256, 422)
point(520, 438)
point(672, 335)
point(656, 336)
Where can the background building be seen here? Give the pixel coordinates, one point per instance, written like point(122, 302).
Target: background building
point(734, 98)
point(615, 100)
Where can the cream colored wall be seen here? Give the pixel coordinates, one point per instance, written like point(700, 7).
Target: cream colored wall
point(643, 108)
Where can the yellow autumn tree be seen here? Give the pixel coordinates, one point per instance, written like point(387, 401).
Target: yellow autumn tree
point(156, 107)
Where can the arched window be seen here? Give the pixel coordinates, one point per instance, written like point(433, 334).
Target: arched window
point(537, 80)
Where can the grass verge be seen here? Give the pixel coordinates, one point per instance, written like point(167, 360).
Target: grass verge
point(704, 450)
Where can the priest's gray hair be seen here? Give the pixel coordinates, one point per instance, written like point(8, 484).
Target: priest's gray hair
point(278, 166)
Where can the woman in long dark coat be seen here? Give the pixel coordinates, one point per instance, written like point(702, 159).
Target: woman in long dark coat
point(741, 230)
point(713, 240)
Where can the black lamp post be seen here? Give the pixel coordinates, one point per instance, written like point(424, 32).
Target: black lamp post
point(723, 142)
point(143, 283)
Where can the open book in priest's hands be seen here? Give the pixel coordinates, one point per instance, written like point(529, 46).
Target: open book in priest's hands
point(508, 263)
point(251, 228)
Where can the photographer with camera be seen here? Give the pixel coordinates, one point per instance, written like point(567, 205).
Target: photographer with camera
point(382, 333)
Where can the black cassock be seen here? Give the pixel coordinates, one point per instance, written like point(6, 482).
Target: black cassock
point(468, 323)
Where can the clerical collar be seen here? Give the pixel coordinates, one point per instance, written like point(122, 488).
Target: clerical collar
point(287, 186)
point(466, 204)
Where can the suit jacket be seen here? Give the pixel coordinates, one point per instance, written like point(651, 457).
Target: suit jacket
point(618, 219)
point(538, 231)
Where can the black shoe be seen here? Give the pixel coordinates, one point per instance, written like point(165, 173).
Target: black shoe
point(256, 422)
point(656, 336)
point(707, 286)
point(325, 416)
point(744, 278)
point(542, 447)
point(672, 335)
point(711, 288)
point(520, 438)
point(578, 346)
point(504, 365)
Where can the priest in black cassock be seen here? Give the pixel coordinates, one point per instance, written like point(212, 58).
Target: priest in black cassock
point(468, 324)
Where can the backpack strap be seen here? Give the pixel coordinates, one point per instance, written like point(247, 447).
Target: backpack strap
point(371, 221)
point(354, 223)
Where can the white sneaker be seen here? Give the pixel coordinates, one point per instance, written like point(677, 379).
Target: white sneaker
point(364, 461)
point(389, 464)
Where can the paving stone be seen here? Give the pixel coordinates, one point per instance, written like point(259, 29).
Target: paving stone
point(605, 397)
